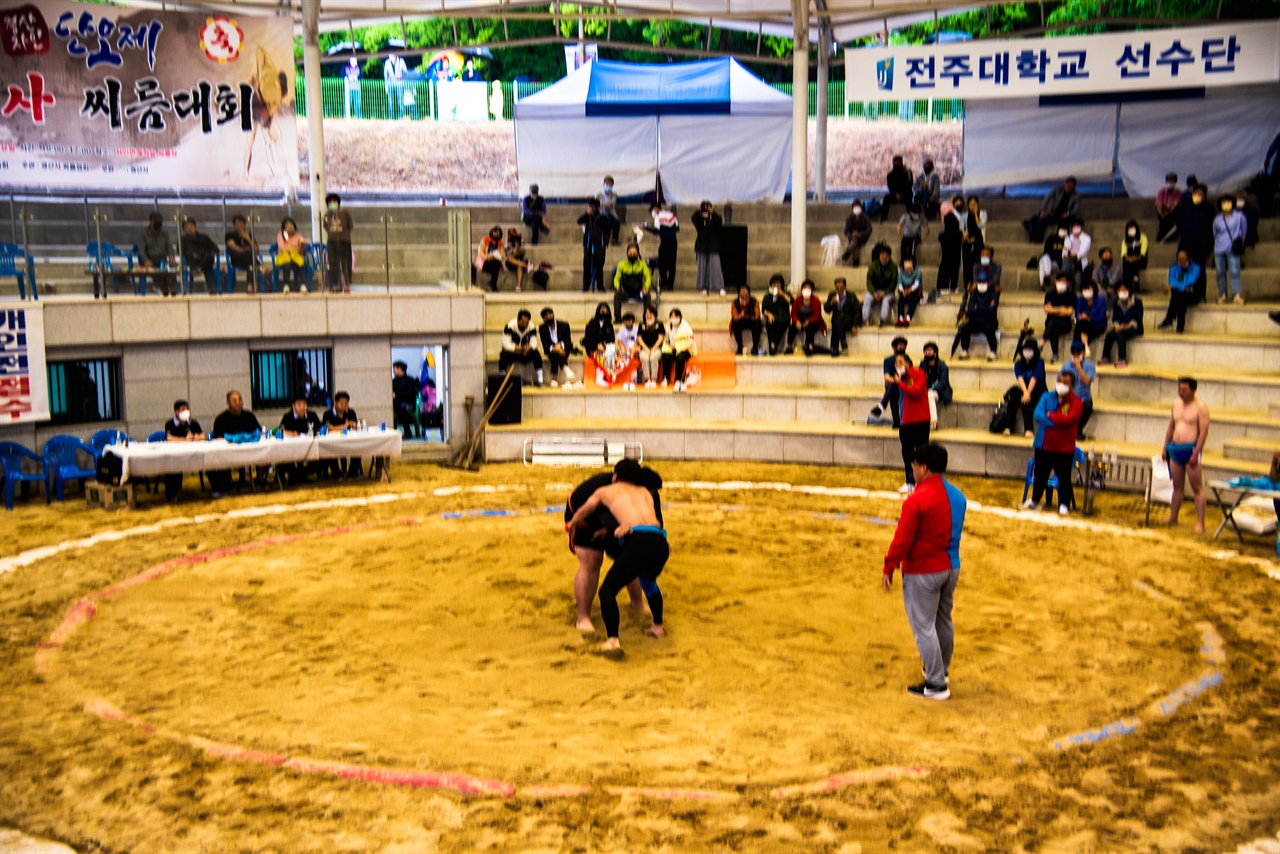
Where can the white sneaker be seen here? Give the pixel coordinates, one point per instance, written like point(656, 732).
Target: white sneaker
point(303, 289)
point(1063, 510)
point(991, 357)
point(722, 292)
point(602, 382)
point(964, 354)
point(284, 289)
point(650, 384)
point(1029, 504)
point(569, 375)
point(906, 489)
point(555, 384)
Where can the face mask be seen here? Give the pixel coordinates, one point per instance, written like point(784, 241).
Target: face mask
point(1028, 354)
point(1077, 231)
point(1106, 260)
point(775, 290)
point(1087, 294)
point(1240, 203)
point(1062, 287)
point(184, 416)
point(902, 371)
point(333, 206)
point(1197, 199)
point(1133, 233)
point(633, 258)
point(986, 262)
point(1063, 389)
point(806, 293)
point(1124, 296)
point(857, 211)
point(1062, 232)
point(908, 270)
point(982, 289)
point(1172, 185)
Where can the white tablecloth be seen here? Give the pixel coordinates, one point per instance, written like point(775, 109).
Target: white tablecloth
point(149, 459)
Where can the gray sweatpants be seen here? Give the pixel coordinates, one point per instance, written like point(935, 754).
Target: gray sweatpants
point(928, 599)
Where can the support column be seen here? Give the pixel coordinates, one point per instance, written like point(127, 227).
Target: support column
point(820, 138)
point(799, 139)
point(315, 111)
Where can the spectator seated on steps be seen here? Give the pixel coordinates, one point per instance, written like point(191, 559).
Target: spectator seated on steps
point(632, 281)
point(882, 282)
point(557, 345)
point(520, 347)
point(846, 316)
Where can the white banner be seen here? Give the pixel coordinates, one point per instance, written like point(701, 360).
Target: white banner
point(1219, 55)
point(24, 385)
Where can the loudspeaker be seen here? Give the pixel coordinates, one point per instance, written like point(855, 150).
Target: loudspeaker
point(733, 256)
point(509, 411)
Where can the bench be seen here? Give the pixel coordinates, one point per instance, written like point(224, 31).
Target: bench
point(574, 451)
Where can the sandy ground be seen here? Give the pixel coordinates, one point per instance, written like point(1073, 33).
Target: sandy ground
point(481, 158)
point(448, 645)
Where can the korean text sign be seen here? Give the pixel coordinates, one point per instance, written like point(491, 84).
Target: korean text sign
point(1220, 55)
point(109, 96)
point(24, 385)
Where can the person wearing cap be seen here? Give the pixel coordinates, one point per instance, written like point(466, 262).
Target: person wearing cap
point(180, 428)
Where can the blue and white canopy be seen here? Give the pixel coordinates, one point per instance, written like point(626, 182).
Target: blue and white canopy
point(713, 130)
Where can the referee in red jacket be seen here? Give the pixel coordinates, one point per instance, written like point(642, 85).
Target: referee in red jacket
point(926, 546)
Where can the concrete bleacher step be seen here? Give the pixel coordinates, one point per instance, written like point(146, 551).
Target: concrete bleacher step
point(1255, 450)
point(972, 452)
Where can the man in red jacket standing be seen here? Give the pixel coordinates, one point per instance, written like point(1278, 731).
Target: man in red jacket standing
point(1057, 419)
point(927, 547)
point(914, 429)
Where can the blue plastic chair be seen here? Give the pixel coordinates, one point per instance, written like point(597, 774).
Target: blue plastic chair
point(187, 275)
point(98, 441)
point(107, 256)
point(255, 274)
point(141, 287)
point(61, 454)
point(9, 258)
point(13, 459)
point(317, 257)
point(1051, 488)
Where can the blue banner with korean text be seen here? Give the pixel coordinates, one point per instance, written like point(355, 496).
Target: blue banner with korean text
point(95, 96)
point(24, 384)
point(1219, 55)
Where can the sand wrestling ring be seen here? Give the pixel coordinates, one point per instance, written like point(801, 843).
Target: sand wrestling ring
point(401, 672)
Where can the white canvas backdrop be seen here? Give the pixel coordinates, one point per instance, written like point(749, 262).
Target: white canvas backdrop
point(1221, 139)
point(725, 158)
point(1017, 141)
point(569, 156)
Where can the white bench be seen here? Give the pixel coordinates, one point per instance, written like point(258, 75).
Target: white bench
point(573, 451)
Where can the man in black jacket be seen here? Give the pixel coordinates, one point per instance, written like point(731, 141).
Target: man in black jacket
point(845, 313)
point(898, 181)
point(596, 229)
point(404, 399)
point(557, 344)
point(200, 253)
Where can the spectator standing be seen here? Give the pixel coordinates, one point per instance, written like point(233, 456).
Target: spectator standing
point(938, 378)
point(975, 237)
point(609, 208)
point(520, 345)
point(557, 343)
point(243, 253)
point(595, 237)
point(200, 254)
point(744, 316)
point(632, 281)
point(469, 73)
point(1057, 417)
point(1059, 313)
point(1029, 374)
point(1181, 289)
point(351, 89)
point(882, 282)
point(912, 229)
point(1060, 206)
point(533, 213)
point(776, 311)
point(1091, 317)
point(926, 545)
point(845, 314)
point(707, 248)
point(891, 398)
point(393, 71)
point(1085, 372)
point(913, 432)
point(1075, 254)
point(908, 293)
point(952, 241)
point(490, 256)
point(339, 228)
point(1197, 235)
point(1169, 208)
point(289, 258)
point(404, 400)
point(898, 182)
point(857, 231)
point(180, 428)
point(651, 338)
point(677, 350)
point(154, 249)
point(1184, 450)
point(1230, 229)
point(1126, 324)
point(927, 189)
point(516, 259)
point(981, 316)
point(1134, 261)
point(806, 319)
point(667, 227)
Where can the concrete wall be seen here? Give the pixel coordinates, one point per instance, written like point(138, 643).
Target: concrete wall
point(198, 349)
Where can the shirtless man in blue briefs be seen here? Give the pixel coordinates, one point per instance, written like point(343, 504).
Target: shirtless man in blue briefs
point(1183, 449)
point(642, 543)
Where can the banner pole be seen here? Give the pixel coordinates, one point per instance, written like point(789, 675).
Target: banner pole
point(315, 110)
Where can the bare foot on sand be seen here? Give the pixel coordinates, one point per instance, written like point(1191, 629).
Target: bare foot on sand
point(656, 631)
point(585, 624)
point(611, 648)
point(1199, 529)
point(641, 607)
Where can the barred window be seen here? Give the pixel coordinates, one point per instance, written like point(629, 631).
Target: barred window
point(277, 374)
point(84, 391)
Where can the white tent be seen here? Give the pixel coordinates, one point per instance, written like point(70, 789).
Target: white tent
point(711, 129)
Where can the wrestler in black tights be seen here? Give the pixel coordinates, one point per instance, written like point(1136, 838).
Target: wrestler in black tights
point(641, 554)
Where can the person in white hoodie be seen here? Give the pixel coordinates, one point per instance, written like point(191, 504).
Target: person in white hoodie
point(678, 348)
point(520, 344)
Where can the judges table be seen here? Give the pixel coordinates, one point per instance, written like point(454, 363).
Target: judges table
point(151, 459)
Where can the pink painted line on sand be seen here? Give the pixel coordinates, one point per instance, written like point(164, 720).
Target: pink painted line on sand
point(236, 752)
point(80, 613)
point(553, 791)
point(461, 783)
point(673, 794)
point(853, 778)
